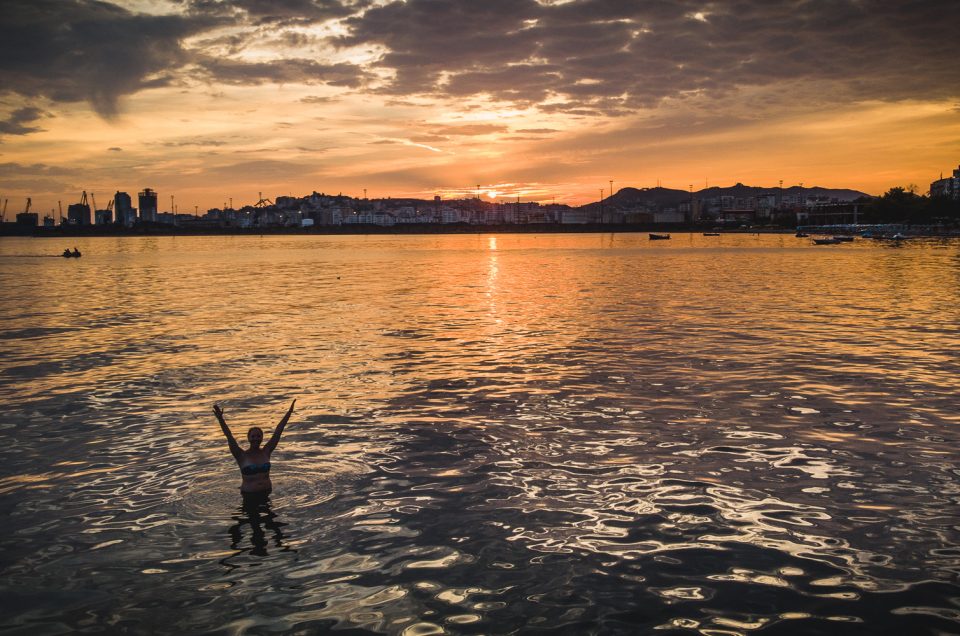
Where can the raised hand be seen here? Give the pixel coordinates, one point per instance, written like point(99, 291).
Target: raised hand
point(218, 411)
point(275, 438)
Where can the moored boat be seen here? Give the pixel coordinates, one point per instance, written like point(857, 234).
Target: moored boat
point(659, 237)
point(826, 241)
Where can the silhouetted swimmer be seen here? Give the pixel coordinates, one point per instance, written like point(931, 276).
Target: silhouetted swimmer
point(254, 462)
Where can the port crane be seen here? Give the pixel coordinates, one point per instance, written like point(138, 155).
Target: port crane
point(3, 215)
point(262, 203)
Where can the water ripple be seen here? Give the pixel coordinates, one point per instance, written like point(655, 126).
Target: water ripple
point(571, 434)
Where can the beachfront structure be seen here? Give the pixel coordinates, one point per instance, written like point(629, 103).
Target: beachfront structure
point(947, 187)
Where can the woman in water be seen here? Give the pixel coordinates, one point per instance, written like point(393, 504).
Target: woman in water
point(255, 462)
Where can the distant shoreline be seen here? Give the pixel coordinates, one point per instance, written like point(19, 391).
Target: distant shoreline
point(11, 229)
point(404, 229)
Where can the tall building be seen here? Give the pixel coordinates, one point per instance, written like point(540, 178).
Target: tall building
point(79, 213)
point(947, 187)
point(126, 214)
point(148, 205)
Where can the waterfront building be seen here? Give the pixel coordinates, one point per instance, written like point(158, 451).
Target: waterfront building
point(148, 205)
point(28, 219)
point(103, 217)
point(78, 213)
point(947, 187)
point(124, 212)
point(287, 203)
point(669, 215)
point(574, 216)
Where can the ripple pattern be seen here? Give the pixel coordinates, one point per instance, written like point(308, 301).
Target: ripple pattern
point(583, 434)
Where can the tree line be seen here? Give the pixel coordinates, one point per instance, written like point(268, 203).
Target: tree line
point(906, 205)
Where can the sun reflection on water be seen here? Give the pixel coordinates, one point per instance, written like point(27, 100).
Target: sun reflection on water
point(495, 433)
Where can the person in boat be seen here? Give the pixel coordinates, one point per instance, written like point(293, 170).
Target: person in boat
point(76, 252)
point(254, 462)
point(67, 253)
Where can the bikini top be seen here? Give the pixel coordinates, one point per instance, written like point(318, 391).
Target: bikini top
point(253, 469)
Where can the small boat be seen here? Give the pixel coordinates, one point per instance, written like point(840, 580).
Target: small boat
point(898, 237)
point(844, 239)
point(74, 254)
point(711, 233)
point(659, 237)
point(801, 235)
point(826, 241)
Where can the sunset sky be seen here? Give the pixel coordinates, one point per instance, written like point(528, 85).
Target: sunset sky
point(209, 100)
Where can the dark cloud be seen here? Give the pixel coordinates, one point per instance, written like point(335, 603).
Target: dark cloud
point(280, 11)
point(609, 56)
point(74, 50)
point(115, 149)
point(537, 131)
point(582, 58)
point(282, 71)
point(17, 122)
point(94, 51)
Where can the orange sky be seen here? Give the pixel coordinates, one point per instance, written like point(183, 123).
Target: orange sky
point(419, 98)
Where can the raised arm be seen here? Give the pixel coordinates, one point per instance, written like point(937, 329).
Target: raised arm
point(231, 442)
point(275, 438)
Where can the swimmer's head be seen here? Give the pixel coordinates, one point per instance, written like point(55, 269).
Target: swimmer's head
point(255, 436)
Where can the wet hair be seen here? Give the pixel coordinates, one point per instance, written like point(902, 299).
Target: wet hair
point(255, 428)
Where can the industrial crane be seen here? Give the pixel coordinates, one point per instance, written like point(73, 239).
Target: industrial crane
point(29, 203)
point(262, 203)
point(3, 215)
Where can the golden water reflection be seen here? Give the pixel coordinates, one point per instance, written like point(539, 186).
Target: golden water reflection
point(492, 432)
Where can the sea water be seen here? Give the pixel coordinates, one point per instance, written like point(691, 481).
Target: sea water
point(494, 434)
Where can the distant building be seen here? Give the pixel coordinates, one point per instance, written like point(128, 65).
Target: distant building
point(148, 205)
point(669, 215)
point(78, 214)
point(574, 216)
point(29, 219)
point(103, 217)
point(947, 187)
point(124, 212)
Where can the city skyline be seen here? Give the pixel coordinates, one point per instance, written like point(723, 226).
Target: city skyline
point(211, 101)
